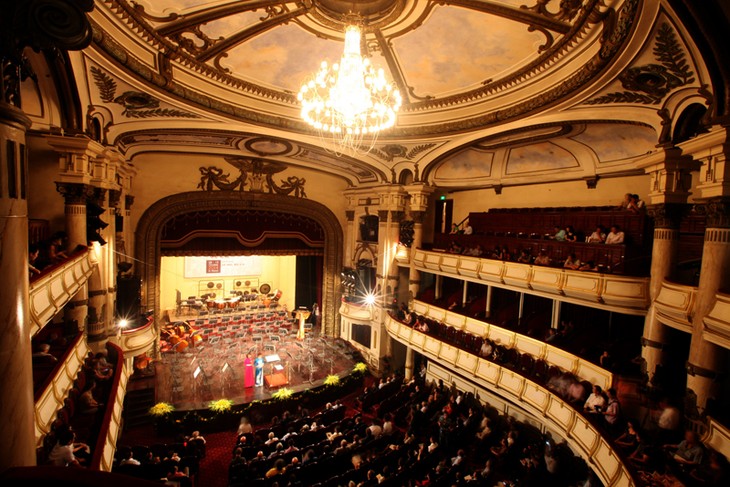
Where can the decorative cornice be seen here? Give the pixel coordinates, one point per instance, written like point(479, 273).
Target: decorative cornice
point(717, 213)
point(418, 216)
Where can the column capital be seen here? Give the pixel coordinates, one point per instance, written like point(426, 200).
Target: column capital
point(418, 216)
point(667, 215)
point(383, 215)
point(350, 215)
point(128, 201)
point(397, 215)
point(98, 196)
point(74, 193)
point(717, 212)
point(115, 198)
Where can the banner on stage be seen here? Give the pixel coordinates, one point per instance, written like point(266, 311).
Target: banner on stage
point(222, 266)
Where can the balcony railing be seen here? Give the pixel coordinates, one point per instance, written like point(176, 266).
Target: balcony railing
point(558, 357)
point(717, 322)
point(674, 305)
point(620, 293)
point(55, 287)
point(111, 424)
point(137, 340)
point(537, 400)
point(50, 399)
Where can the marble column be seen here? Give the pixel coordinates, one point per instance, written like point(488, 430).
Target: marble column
point(410, 361)
point(488, 307)
point(97, 289)
point(75, 197)
point(663, 259)
point(414, 275)
point(555, 317)
point(16, 373)
point(350, 238)
point(111, 259)
point(706, 366)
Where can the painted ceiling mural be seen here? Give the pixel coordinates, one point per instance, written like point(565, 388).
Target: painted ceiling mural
point(484, 82)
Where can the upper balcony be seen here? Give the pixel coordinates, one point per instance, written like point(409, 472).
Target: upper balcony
point(55, 286)
point(717, 322)
point(613, 292)
point(674, 305)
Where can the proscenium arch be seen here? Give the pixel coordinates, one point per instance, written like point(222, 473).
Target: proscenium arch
point(149, 233)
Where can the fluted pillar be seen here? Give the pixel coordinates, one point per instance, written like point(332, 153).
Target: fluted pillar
point(706, 366)
point(16, 375)
point(96, 323)
point(349, 236)
point(663, 259)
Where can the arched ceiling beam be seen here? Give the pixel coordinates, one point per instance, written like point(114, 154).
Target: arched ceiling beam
point(181, 23)
point(525, 16)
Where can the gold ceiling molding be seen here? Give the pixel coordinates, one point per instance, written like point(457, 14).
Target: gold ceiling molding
point(616, 26)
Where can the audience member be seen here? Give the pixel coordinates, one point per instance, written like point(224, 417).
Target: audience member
point(596, 402)
point(559, 234)
point(688, 452)
point(615, 236)
point(598, 236)
point(33, 253)
point(62, 454)
point(468, 230)
point(87, 402)
point(572, 262)
point(542, 258)
point(129, 459)
point(570, 235)
point(43, 353)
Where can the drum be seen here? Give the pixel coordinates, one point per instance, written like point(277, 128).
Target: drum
point(196, 339)
point(209, 303)
point(232, 303)
point(277, 295)
point(220, 304)
point(180, 346)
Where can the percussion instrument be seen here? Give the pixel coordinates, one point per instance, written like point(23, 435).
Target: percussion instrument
point(180, 346)
point(220, 304)
point(210, 304)
point(277, 294)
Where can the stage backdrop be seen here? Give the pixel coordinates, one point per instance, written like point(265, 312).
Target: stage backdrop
point(193, 276)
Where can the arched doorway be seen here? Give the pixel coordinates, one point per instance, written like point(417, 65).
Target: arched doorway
point(149, 234)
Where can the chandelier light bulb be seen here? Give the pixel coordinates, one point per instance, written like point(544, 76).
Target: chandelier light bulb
point(350, 98)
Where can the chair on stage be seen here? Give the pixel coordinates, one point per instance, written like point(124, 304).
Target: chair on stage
point(214, 339)
point(258, 339)
point(270, 347)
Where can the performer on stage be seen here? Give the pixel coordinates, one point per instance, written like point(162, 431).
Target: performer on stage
point(248, 378)
point(259, 365)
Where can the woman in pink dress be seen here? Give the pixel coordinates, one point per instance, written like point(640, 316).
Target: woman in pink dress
point(248, 379)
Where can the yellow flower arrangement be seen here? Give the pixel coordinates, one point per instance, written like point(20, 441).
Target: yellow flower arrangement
point(221, 405)
point(283, 393)
point(360, 368)
point(161, 409)
point(332, 380)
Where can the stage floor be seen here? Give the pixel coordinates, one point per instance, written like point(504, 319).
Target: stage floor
point(305, 364)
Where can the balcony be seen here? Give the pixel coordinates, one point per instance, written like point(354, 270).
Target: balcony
point(623, 294)
point(674, 305)
point(136, 341)
point(717, 322)
point(539, 350)
point(50, 398)
point(581, 434)
point(55, 287)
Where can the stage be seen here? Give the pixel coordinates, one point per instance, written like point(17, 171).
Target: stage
point(212, 367)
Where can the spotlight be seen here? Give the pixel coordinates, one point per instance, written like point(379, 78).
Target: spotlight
point(123, 323)
point(370, 299)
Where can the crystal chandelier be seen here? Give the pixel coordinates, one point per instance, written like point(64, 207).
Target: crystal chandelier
point(351, 101)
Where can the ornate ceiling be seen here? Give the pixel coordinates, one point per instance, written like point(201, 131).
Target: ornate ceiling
point(495, 90)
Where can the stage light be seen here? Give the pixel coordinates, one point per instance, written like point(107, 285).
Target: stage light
point(123, 323)
point(370, 299)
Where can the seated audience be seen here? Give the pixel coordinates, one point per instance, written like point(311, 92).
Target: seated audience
point(87, 402)
point(598, 236)
point(542, 258)
point(43, 353)
point(636, 204)
point(615, 236)
point(524, 257)
point(572, 262)
point(129, 459)
point(468, 230)
point(454, 229)
point(559, 234)
point(570, 235)
point(65, 450)
point(612, 414)
point(33, 253)
point(688, 452)
point(629, 439)
point(596, 402)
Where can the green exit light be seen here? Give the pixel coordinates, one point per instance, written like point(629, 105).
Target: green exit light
point(442, 198)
